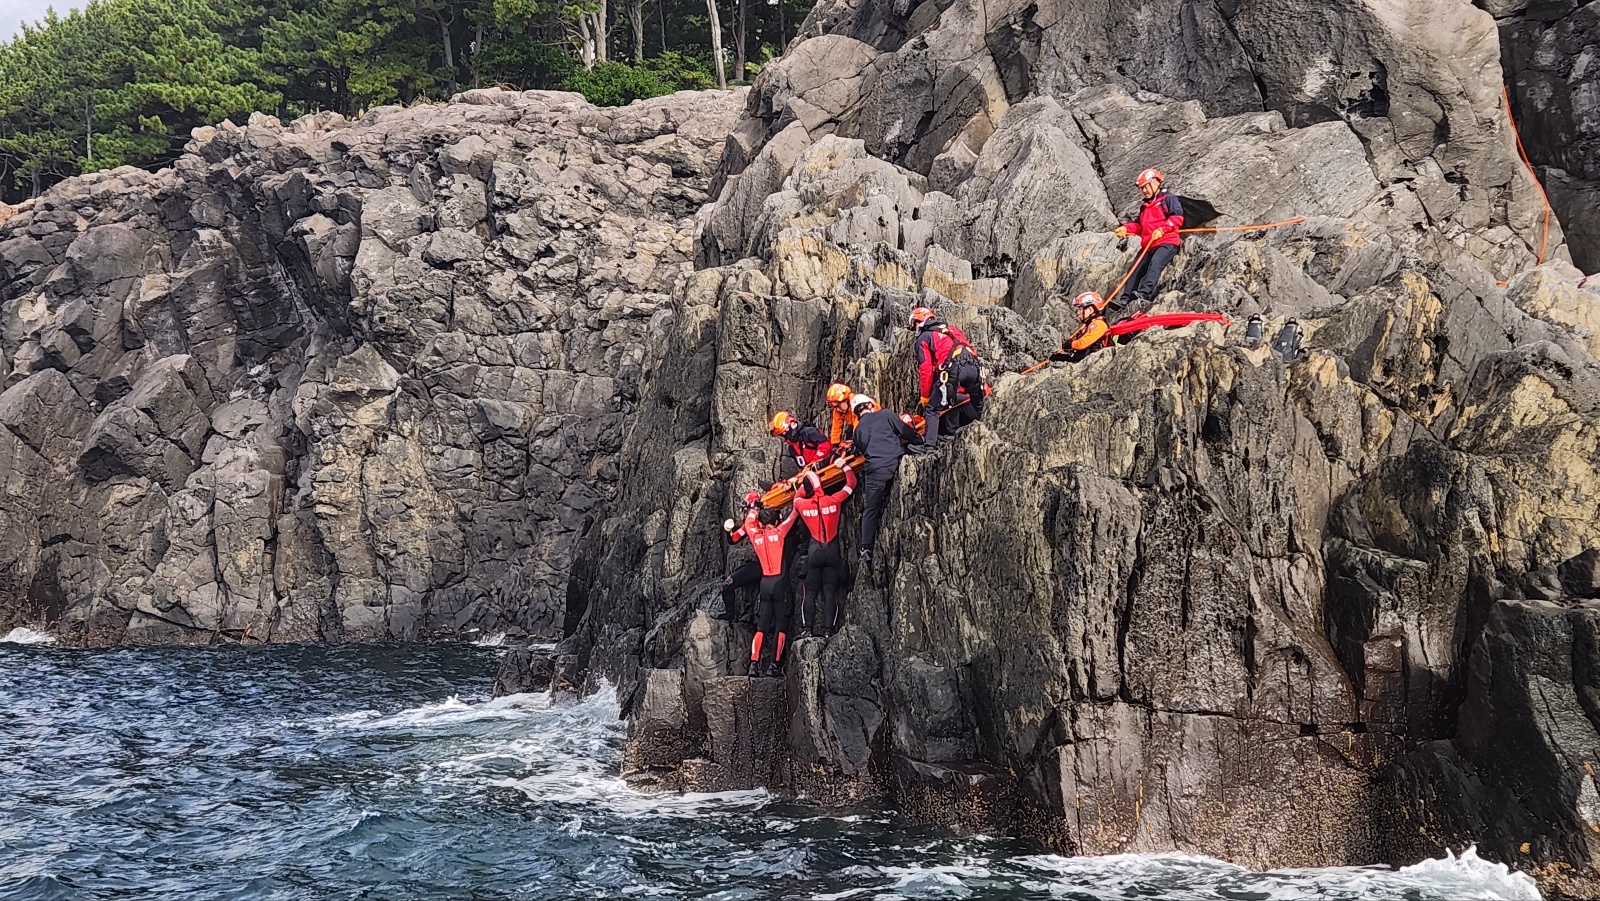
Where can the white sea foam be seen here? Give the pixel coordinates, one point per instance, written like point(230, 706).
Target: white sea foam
point(1112, 877)
point(1473, 877)
point(25, 635)
point(496, 640)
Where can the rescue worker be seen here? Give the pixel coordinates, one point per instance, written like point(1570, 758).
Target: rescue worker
point(1157, 227)
point(824, 562)
point(805, 441)
point(883, 438)
point(746, 574)
point(947, 373)
point(772, 611)
point(843, 424)
point(1092, 330)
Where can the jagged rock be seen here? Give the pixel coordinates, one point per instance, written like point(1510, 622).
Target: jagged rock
point(1185, 594)
point(339, 379)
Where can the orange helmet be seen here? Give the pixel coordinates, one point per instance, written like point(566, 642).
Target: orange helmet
point(918, 317)
point(781, 422)
point(838, 392)
point(1148, 176)
point(1089, 299)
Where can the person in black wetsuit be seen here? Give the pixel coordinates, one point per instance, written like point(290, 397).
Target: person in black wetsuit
point(883, 438)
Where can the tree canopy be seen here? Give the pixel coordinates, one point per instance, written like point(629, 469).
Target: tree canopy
point(124, 81)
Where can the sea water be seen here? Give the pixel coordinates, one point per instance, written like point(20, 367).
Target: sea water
point(387, 772)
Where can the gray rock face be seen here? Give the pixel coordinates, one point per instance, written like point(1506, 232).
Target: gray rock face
point(1181, 595)
point(1549, 52)
point(338, 380)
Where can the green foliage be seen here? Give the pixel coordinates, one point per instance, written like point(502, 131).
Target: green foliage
point(124, 81)
point(616, 84)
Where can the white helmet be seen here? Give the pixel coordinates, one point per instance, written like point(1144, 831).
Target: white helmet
point(861, 399)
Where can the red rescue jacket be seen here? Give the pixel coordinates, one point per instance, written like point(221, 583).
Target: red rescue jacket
point(1163, 211)
point(752, 519)
point(820, 512)
point(936, 345)
point(768, 544)
point(808, 445)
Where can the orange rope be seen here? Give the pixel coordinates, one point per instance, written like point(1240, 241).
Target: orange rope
point(1140, 258)
point(1544, 238)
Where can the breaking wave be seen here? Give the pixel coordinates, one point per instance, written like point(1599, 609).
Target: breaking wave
point(386, 771)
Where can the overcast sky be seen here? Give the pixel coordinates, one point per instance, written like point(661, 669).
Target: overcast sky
point(14, 12)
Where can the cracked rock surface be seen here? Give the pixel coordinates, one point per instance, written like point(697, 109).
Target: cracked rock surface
point(1183, 595)
point(340, 380)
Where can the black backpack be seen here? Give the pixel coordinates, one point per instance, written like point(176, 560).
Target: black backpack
point(1288, 344)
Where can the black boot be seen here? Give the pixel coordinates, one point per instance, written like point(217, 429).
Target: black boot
point(755, 669)
point(771, 669)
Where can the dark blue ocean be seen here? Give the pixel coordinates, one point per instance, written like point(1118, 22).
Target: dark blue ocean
point(386, 772)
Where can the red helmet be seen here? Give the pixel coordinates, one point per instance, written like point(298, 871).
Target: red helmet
point(918, 317)
point(752, 499)
point(1148, 176)
point(1089, 299)
point(838, 392)
point(782, 421)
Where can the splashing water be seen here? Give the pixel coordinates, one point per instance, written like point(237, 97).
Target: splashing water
point(25, 635)
point(308, 772)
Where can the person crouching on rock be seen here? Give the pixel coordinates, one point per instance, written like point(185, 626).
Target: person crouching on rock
point(883, 438)
point(824, 563)
point(1092, 329)
point(806, 442)
point(772, 611)
point(842, 425)
point(1159, 220)
point(948, 374)
point(747, 573)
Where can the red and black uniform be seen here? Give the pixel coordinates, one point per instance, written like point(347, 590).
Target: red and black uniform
point(1165, 212)
point(772, 612)
point(807, 443)
point(948, 373)
point(824, 562)
point(745, 575)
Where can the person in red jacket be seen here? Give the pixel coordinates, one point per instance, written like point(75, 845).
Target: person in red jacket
point(772, 614)
point(805, 441)
point(748, 573)
point(948, 373)
point(1157, 227)
point(824, 563)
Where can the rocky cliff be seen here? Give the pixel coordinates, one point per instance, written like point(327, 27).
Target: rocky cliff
point(338, 380)
point(505, 364)
point(1183, 594)
point(1550, 51)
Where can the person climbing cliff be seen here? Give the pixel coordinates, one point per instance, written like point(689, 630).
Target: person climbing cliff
point(1092, 329)
point(806, 442)
point(883, 438)
point(819, 614)
point(948, 373)
point(748, 572)
point(842, 425)
point(1160, 218)
point(767, 537)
